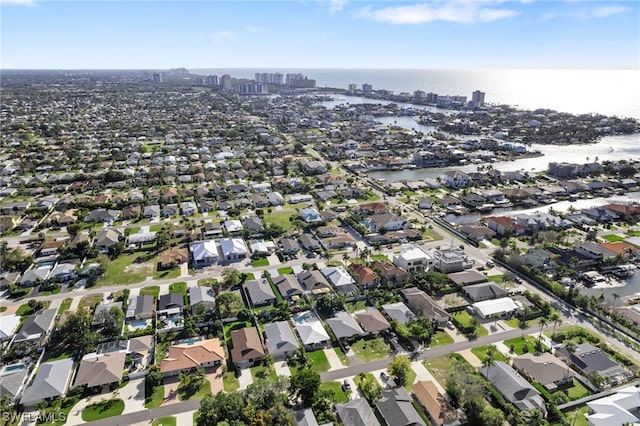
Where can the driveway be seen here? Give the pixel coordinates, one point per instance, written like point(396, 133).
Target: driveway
point(245, 378)
point(171, 390)
point(133, 396)
point(333, 359)
point(471, 358)
point(214, 376)
point(282, 369)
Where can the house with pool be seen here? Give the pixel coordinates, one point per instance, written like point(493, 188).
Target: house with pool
point(191, 354)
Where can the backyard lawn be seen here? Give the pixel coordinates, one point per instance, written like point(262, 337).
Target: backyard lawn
point(520, 343)
point(26, 310)
point(371, 349)
point(280, 218)
point(358, 305)
point(285, 270)
point(129, 268)
point(464, 320)
point(168, 274)
point(577, 391)
point(101, 410)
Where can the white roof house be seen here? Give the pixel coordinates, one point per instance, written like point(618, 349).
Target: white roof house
point(312, 333)
point(233, 225)
point(344, 326)
point(204, 252)
point(414, 259)
point(142, 237)
point(8, 324)
point(489, 308)
point(340, 279)
point(617, 409)
point(233, 248)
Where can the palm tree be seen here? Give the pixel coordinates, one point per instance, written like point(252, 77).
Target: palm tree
point(490, 358)
point(570, 346)
point(555, 317)
point(543, 323)
point(345, 257)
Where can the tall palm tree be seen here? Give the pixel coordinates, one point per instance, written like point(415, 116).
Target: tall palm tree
point(544, 321)
point(555, 317)
point(490, 358)
point(345, 257)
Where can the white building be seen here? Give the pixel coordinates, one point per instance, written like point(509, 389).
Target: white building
point(233, 249)
point(618, 409)
point(496, 307)
point(414, 259)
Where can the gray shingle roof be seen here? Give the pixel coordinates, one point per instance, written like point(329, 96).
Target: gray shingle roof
point(51, 381)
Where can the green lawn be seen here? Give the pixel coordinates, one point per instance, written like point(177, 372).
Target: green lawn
point(155, 228)
point(153, 290)
point(2, 309)
point(205, 389)
point(90, 301)
point(513, 322)
point(440, 338)
point(102, 410)
point(168, 274)
point(285, 270)
point(155, 399)
point(319, 361)
point(577, 391)
point(265, 373)
point(26, 310)
point(129, 268)
point(576, 417)
point(164, 421)
point(55, 290)
point(380, 257)
point(356, 306)
point(613, 238)
point(344, 359)
point(179, 287)
point(280, 218)
point(411, 377)
point(60, 407)
point(431, 235)
point(496, 278)
point(371, 349)
point(519, 344)
point(439, 367)
point(368, 376)
point(263, 261)
point(229, 382)
point(65, 305)
point(463, 318)
point(481, 353)
point(339, 395)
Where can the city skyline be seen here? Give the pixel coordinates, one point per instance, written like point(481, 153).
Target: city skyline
point(463, 34)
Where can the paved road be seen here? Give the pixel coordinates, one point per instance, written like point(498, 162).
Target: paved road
point(432, 353)
point(148, 415)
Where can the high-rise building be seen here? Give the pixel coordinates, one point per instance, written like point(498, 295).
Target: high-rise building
point(419, 95)
point(253, 89)
point(352, 88)
point(432, 98)
point(158, 77)
point(212, 80)
point(477, 99)
point(225, 82)
point(367, 88)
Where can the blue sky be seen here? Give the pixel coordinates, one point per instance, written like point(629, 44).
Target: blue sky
point(467, 34)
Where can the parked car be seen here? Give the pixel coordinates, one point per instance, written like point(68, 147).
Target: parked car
point(384, 376)
point(346, 385)
point(450, 325)
point(490, 264)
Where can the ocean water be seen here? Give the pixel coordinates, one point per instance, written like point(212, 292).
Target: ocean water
point(608, 92)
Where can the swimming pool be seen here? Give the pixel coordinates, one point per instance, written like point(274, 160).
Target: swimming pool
point(302, 317)
point(139, 324)
point(13, 368)
point(190, 341)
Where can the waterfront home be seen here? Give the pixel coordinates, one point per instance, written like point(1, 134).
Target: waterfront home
point(504, 224)
point(545, 369)
point(587, 358)
point(456, 179)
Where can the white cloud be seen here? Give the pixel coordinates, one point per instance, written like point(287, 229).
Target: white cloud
point(221, 35)
point(19, 2)
point(604, 11)
point(336, 5)
point(461, 11)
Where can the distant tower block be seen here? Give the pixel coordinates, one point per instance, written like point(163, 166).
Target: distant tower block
point(477, 99)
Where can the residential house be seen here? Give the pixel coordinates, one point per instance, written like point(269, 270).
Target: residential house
point(414, 259)
point(12, 384)
point(344, 326)
point(309, 215)
point(504, 225)
point(8, 325)
point(391, 272)
point(396, 408)
point(539, 259)
point(373, 208)
point(586, 359)
point(63, 272)
point(477, 232)
point(102, 215)
point(275, 198)
point(468, 277)
point(247, 347)
point(108, 237)
point(593, 251)
point(492, 308)
point(513, 387)
point(260, 292)
point(140, 307)
point(170, 210)
point(372, 321)
point(203, 253)
point(313, 282)
point(201, 299)
point(36, 327)
point(151, 211)
point(356, 412)
point(233, 249)
point(172, 257)
point(288, 246)
point(184, 357)
point(99, 314)
point(422, 304)
point(457, 179)
point(435, 404)
point(364, 275)
point(288, 286)
point(385, 222)
point(342, 282)
point(51, 381)
point(398, 311)
point(312, 334)
point(619, 408)
point(545, 369)
point(35, 276)
point(254, 224)
point(262, 247)
point(309, 242)
point(233, 226)
point(280, 340)
point(170, 303)
point(447, 260)
point(97, 370)
point(483, 291)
